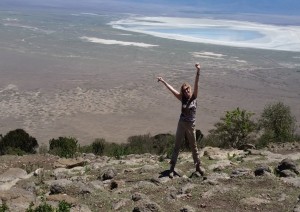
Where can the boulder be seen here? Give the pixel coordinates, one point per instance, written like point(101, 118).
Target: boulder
point(262, 170)
point(12, 174)
point(288, 164)
point(69, 162)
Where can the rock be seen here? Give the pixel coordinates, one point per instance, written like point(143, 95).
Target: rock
point(144, 184)
point(214, 153)
point(220, 165)
point(62, 197)
point(282, 197)
point(187, 208)
point(287, 164)
point(136, 196)
point(217, 190)
point(287, 173)
point(17, 199)
point(196, 175)
point(294, 181)
point(109, 174)
point(59, 186)
point(217, 176)
point(254, 152)
point(69, 162)
point(262, 170)
point(97, 184)
point(38, 172)
point(148, 168)
point(146, 206)
point(115, 184)
point(12, 174)
point(80, 208)
point(240, 172)
point(247, 146)
point(9, 178)
point(254, 201)
point(297, 207)
point(119, 204)
point(187, 188)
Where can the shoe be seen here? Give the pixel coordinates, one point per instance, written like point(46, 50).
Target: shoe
point(171, 174)
point(200, 170)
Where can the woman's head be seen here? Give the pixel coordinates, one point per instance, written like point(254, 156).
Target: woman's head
point(186, 90)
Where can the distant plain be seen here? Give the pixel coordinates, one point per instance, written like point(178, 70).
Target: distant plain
point(55, 82)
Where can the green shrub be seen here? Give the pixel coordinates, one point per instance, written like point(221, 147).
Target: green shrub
point(18, 142)
point(63, 206)
point(63, 147)
point(297, 137)
point(43, 149)
point(277, 123)
point(115, 150)
point(139, 144)
point(163, 144)
point(234, 130)
point(98, 146)
point(44, 207)
point(4, 207)
point(85, 149)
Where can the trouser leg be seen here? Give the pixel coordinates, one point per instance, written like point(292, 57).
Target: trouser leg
point(191, 135)
point(178, 140)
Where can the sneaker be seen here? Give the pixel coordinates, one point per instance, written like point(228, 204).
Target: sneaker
point(171, 174)
point(201, 170)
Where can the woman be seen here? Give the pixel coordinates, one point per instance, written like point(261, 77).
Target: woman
point(186, 124)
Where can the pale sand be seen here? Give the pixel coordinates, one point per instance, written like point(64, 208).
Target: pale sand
point(116, 42)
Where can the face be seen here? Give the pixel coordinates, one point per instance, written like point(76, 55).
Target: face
point(186, 90)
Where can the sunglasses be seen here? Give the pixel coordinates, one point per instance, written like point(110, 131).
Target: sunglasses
point(186, 89)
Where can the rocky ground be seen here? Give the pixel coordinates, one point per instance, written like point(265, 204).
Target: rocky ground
point(235, 180)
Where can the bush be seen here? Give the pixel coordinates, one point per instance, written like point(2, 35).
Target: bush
point(43, 149)
point(277, 123)
point(163, 144)
point(234, 130)
point(115, 150)
point(63, 147)
point(98, 146)
point(4, 207)
point(63, 206)
point(140, 144)
point(18, 141)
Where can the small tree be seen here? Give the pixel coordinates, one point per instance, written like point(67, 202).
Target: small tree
point(63, 147)
point(277, 123)
point(18, 140)
point(234, 130)
point(98, 146)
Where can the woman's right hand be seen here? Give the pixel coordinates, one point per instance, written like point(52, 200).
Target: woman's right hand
point(160, 79)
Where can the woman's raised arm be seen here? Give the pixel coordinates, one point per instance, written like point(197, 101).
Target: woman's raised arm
point(197, 65)
point(173, 90)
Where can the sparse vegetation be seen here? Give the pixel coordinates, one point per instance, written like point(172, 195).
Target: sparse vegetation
point(4, 207)
point(98, 146)
point(63, 206)
point(18, 142)
point(278, 123)
point(233, 130)
point(63, 146)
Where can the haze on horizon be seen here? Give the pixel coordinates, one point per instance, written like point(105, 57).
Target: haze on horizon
point(287, 8)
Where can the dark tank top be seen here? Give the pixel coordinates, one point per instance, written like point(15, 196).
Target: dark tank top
point(188, 109)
